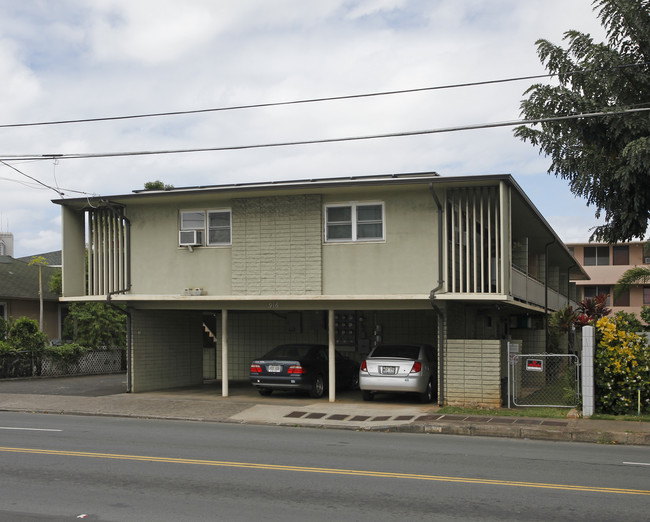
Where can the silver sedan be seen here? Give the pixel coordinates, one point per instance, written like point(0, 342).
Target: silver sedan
point(400, 368)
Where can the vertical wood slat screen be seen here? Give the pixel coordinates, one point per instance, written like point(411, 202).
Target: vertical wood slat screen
point(108, 251)
point(474, 241)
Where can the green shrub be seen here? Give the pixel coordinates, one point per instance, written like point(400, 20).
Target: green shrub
point(6, 348)
point(24, 334)
point(621, 368)
point(3, 328)
point(67, 353)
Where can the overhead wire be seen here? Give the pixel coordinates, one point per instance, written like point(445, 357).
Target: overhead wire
point(56, 157)
point(37, 182)
point(312, 100)
point(322, 140)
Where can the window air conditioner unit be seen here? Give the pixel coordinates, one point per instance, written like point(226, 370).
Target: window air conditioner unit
point(646, 260)
point(188, 238)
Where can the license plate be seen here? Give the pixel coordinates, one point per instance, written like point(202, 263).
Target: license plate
point(388, 370)
point(274, 368)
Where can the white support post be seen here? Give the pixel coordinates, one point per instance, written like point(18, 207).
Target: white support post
point(587, 370)
point(331, 356)
point(224, 353)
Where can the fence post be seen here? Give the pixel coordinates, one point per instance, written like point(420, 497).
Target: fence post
point(587, 368)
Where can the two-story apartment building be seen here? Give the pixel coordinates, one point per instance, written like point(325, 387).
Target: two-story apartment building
point(605, 265)
point(459, 263)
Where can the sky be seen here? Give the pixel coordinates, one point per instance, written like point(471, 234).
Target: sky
point(74, 59)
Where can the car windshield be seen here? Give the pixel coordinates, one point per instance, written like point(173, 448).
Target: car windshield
point(400, 351)
point(290, 352)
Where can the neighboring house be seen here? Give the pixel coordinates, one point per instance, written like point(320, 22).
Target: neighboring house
point(460, 263)
point(19, 294)
point(52, 259)
point(605, 264)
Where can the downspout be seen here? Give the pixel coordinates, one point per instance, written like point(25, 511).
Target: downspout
point(128, 335)
point(572, 330)
point(546, 247)
point(432, 296)
point(129, 349)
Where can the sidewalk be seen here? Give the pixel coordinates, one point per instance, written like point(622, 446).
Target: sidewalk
point(101, 395)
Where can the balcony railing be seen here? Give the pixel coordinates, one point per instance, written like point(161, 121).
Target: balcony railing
point(529, 290)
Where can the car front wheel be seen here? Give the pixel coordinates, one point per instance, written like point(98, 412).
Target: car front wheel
point(317, 388)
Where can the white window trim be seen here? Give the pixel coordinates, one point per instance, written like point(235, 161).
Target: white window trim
point(207, 226)
point(205, 230)
point(353, 207)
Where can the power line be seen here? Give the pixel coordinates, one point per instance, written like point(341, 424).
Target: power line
point(30, 177)
point(38, 182)
point(309, 100)
point(28, 157)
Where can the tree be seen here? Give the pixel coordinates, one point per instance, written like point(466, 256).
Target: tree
point(56, 282)
point(606, 159)
point(157, 185)
point(639, 275)
point(95, 325)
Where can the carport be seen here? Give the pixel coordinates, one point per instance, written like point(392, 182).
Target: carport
point(246, 330)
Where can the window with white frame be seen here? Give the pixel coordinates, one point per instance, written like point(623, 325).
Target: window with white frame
point(205, 228)
point(219, 227)
point(354, 222)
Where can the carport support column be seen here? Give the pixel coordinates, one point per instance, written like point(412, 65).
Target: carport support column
point(224, 353)
point(331, 357)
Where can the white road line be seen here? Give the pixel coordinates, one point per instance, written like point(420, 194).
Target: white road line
point(637, 463)
point(27, 429)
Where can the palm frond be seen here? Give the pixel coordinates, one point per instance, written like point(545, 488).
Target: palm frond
point(638, 275)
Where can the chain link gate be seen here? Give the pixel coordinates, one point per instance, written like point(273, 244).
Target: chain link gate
point(544, 379)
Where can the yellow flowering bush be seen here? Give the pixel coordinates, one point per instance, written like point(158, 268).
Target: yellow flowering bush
point(621, 367)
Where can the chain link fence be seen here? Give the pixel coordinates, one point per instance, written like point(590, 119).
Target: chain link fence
point(551, 380)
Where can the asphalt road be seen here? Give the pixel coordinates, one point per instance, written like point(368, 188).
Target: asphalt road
point(62, 467)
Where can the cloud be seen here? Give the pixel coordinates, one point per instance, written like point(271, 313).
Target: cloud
point(151, 32)
point(76, 59)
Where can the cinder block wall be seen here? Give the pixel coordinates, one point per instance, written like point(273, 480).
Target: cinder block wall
point(168, 350)
point(252, 334)
point(276, 246)
point(473, 372)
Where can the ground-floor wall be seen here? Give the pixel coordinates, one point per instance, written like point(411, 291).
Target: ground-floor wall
point(475, 349)
point(473, 372)
point(166, 349)
point(252, 334)
point(169, 348)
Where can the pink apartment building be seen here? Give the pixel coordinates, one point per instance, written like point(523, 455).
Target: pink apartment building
point(605, 264)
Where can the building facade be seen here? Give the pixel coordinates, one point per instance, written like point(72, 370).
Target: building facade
point(605, 265)
point(214, 277)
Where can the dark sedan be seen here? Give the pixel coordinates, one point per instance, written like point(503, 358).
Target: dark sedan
point(302, 367)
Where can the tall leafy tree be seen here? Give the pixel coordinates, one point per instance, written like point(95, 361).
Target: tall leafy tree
point(95, 325)
point(606, 159)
